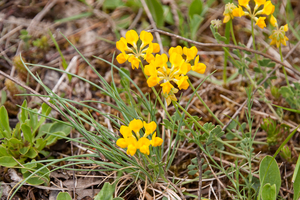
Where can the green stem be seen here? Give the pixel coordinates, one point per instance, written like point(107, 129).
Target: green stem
point(253, 44)
point(232, 33)
point(230, 146)
point(283, 69)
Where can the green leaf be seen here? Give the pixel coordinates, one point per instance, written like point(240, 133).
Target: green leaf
point(27, 132)
point(118, 198)
point(195, 8)
point(46, 109)
point(191, 167)
point(157, 11)
point(192, 172)
point(3, 97)
point(112, 4)
point(269, 173)
point(220, 38)
point(32, 153)
point(106, 193)
point(194, 25)
point(53, 138)
point(43, 130)
point(269, 192)
point(24, 113)
point(24, 150)
point(4, 122)
point(40, 144)
point(8, 161)
point(63, 196)
point(60, 127)
point(296, 180)
point(41, 177)
point(3, 151)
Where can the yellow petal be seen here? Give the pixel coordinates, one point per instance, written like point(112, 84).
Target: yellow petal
point(269, 8)
point(261, 22)
point(122, 143)
point(125, 131)
point(156, 141)
point(136, 125)
point(286, 28)
point(152, 81)
point(131, 149)
point(273, 21)
point(122, 57)
point(122, 44)
point(238, 12)
point(183, 83)
point(244, 3)
point(135, 62)
point(150, 69)
point(177, 49)
point(166, 87)
point(190, 52)
point(150, 127)
point(259, 2)
point(146, 38)
point(132, 37)
point(226, 18)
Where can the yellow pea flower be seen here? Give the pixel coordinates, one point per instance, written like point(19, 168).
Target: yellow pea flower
point(143, 145)
point(131, 150)
point(278, 36)
point(177, 49)
point(183, 83)
point(238, 12)
point(171, 96)
point(286, 28)
point(135, 62)
point(229, 7)
point(269, 8)
point(150, 69)
point(190, 53)
point(244, 3)
point(261, 22)
point(259, 2)
point(153, 81)
point(150, 128)
point(146, 38)
point(199, 67)
point(121, 142)
point(122, 57)
point(156, 141)
point(125, 131)
point(122, 45)
point(273, 21)
point(136, 126)
point(166, 87)
point(132, 37)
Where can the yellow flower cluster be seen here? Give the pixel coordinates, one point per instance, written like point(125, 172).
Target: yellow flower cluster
point(278, 35)
point(132, 139)
point(161, 71)
point(133, 52)
point(232, 11)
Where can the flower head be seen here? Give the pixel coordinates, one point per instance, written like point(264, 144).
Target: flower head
point(229, 7)
point(278, 36)
point(269, 8)
point(133, 53)
point(260, 22)
point(134, 142)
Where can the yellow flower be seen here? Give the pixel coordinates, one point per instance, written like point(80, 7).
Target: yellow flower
point(244, 3)
point(278, 36)
point(177, 49)
point(238, 12)
point(273, 21)
point(150, 128)
point(156, 141)
point(166, 87)
point(261, 22)
point(229, 7)
point(171, 96)
point(153, 81)
point(136, 125)
point(133, 53)
point(121, 142)
point(183, 83)
point(143, 145)
point(259, 2)
point(269, 8)
point(131, 149)
point(132, 37)
point(199, 67)
point(125, 131)
point(190, 53)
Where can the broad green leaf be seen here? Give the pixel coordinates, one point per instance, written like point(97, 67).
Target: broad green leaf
point(194, 25)
point(4, 122)
point(3, 151)
point(157, 11)
point(106, 193)
point(40, 177)
point(112, 4)
point(46, 109)
point(53, 138)
point(195, 8)
point(33, 120)
point(192, 172)
point(32, 153)
point(60, 127)
point(269, 192)
point(269, 173)
point(296, 180)
point(27, 133)
point(40, 144)
point(8, 161)
point(24, 150)
point(43, 130)
point(3, 97)
point(63, 196)
point(118, 198)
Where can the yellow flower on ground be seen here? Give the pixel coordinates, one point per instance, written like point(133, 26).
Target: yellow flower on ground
point(244, 3)
point(177, 49)
point(136, 125)
point(153, 81)
point(156, 141)
point(269, 8)
point(273, 21)
point(166, 87)
point(229, 7)
point(261, 22)
point(182, 82)
point(133, 53)
point(199, 67)
point(259, 2)
point(238, 12)
point(150, 128)
point(278, 36)
point(135, 142)
point(190, 53)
